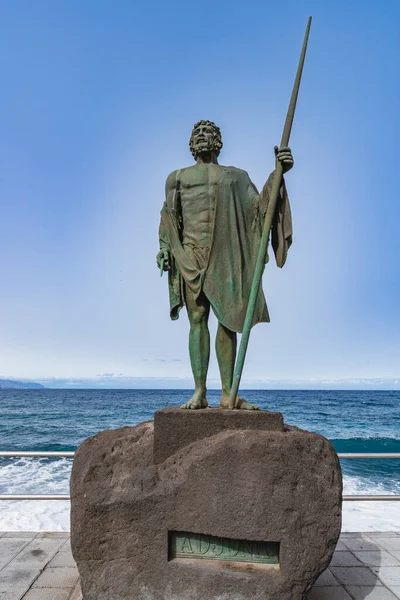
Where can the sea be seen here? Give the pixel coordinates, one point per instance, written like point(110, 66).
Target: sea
point(59, 420)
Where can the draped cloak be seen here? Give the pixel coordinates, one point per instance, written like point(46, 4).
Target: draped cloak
point(236, 233)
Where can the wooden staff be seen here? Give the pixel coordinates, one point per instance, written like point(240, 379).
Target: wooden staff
point(269, 219)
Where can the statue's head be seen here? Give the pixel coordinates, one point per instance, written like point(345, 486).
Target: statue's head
point(206, 137)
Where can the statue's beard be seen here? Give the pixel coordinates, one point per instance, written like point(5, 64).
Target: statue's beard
point(203, 146)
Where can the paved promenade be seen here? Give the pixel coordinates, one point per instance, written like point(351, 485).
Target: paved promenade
point(39, 566)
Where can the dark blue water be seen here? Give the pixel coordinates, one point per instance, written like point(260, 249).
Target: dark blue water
point(61, 419)
point(355, 421)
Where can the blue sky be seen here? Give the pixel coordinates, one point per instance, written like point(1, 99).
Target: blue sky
point(98, 100)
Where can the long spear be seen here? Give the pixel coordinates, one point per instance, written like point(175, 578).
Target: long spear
point(269, 219)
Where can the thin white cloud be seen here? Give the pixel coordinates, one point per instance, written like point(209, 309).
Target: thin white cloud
point(172, 382)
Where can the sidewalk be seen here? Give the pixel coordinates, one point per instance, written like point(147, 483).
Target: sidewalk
point(39, 566)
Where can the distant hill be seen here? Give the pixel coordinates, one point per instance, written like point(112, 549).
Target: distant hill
point(22, 385)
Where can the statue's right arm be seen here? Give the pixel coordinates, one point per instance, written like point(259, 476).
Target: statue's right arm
point(164, 253)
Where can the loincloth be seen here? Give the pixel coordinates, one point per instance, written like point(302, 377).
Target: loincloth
point(198, 255)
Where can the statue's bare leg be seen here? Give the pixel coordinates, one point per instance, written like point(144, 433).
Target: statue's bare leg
point(199, 346)
point(225, 346)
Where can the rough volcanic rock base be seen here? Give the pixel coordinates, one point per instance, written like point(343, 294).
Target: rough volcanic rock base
point(244, 483)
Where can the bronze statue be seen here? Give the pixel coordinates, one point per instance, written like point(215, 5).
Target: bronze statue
point(210, 233)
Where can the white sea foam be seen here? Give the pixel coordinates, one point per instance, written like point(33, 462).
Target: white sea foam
point(33, 476)
point(35, 515)
point(367, 515)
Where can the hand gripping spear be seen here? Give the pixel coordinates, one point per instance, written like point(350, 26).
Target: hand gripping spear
point(269, 219)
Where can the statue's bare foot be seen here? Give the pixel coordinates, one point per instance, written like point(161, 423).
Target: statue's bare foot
point(198, 400)
point(240, 403)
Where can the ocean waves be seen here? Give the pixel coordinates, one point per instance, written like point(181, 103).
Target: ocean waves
point(59, 420)
point(51, 476)
point(34, 476)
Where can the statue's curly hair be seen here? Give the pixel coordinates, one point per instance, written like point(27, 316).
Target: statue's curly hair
point(217, 143)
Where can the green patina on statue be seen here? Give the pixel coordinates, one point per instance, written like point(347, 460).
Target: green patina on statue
point(210, 234)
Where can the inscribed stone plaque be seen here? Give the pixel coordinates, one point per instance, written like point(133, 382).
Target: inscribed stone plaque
point(199, 546)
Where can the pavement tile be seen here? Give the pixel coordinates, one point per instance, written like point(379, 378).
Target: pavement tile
point(378, 559)
point(53, 535)
point(20, 534)
point(345, 559)
point(76, 594)
point(340, 546)
point(14, 578)
point(328, 593)
point(23, 570)
point(396, 554)
point(382, 534)
point(38, 552)
point(362, 544)
point(396, 590)
point(363, 592)
point(48, 594)
point(66, 546)
point(7, 593)
point(9, 548)
point(326, 579)
point(63, 559)
point(57, 578)
point(390, 576)
point(391, 544)
point(355, 575)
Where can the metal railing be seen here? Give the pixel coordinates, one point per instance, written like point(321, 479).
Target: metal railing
point(342, 455)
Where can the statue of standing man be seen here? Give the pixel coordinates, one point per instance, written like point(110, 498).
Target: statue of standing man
point(210, 231)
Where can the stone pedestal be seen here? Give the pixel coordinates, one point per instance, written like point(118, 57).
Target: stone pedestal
point(210, 505)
